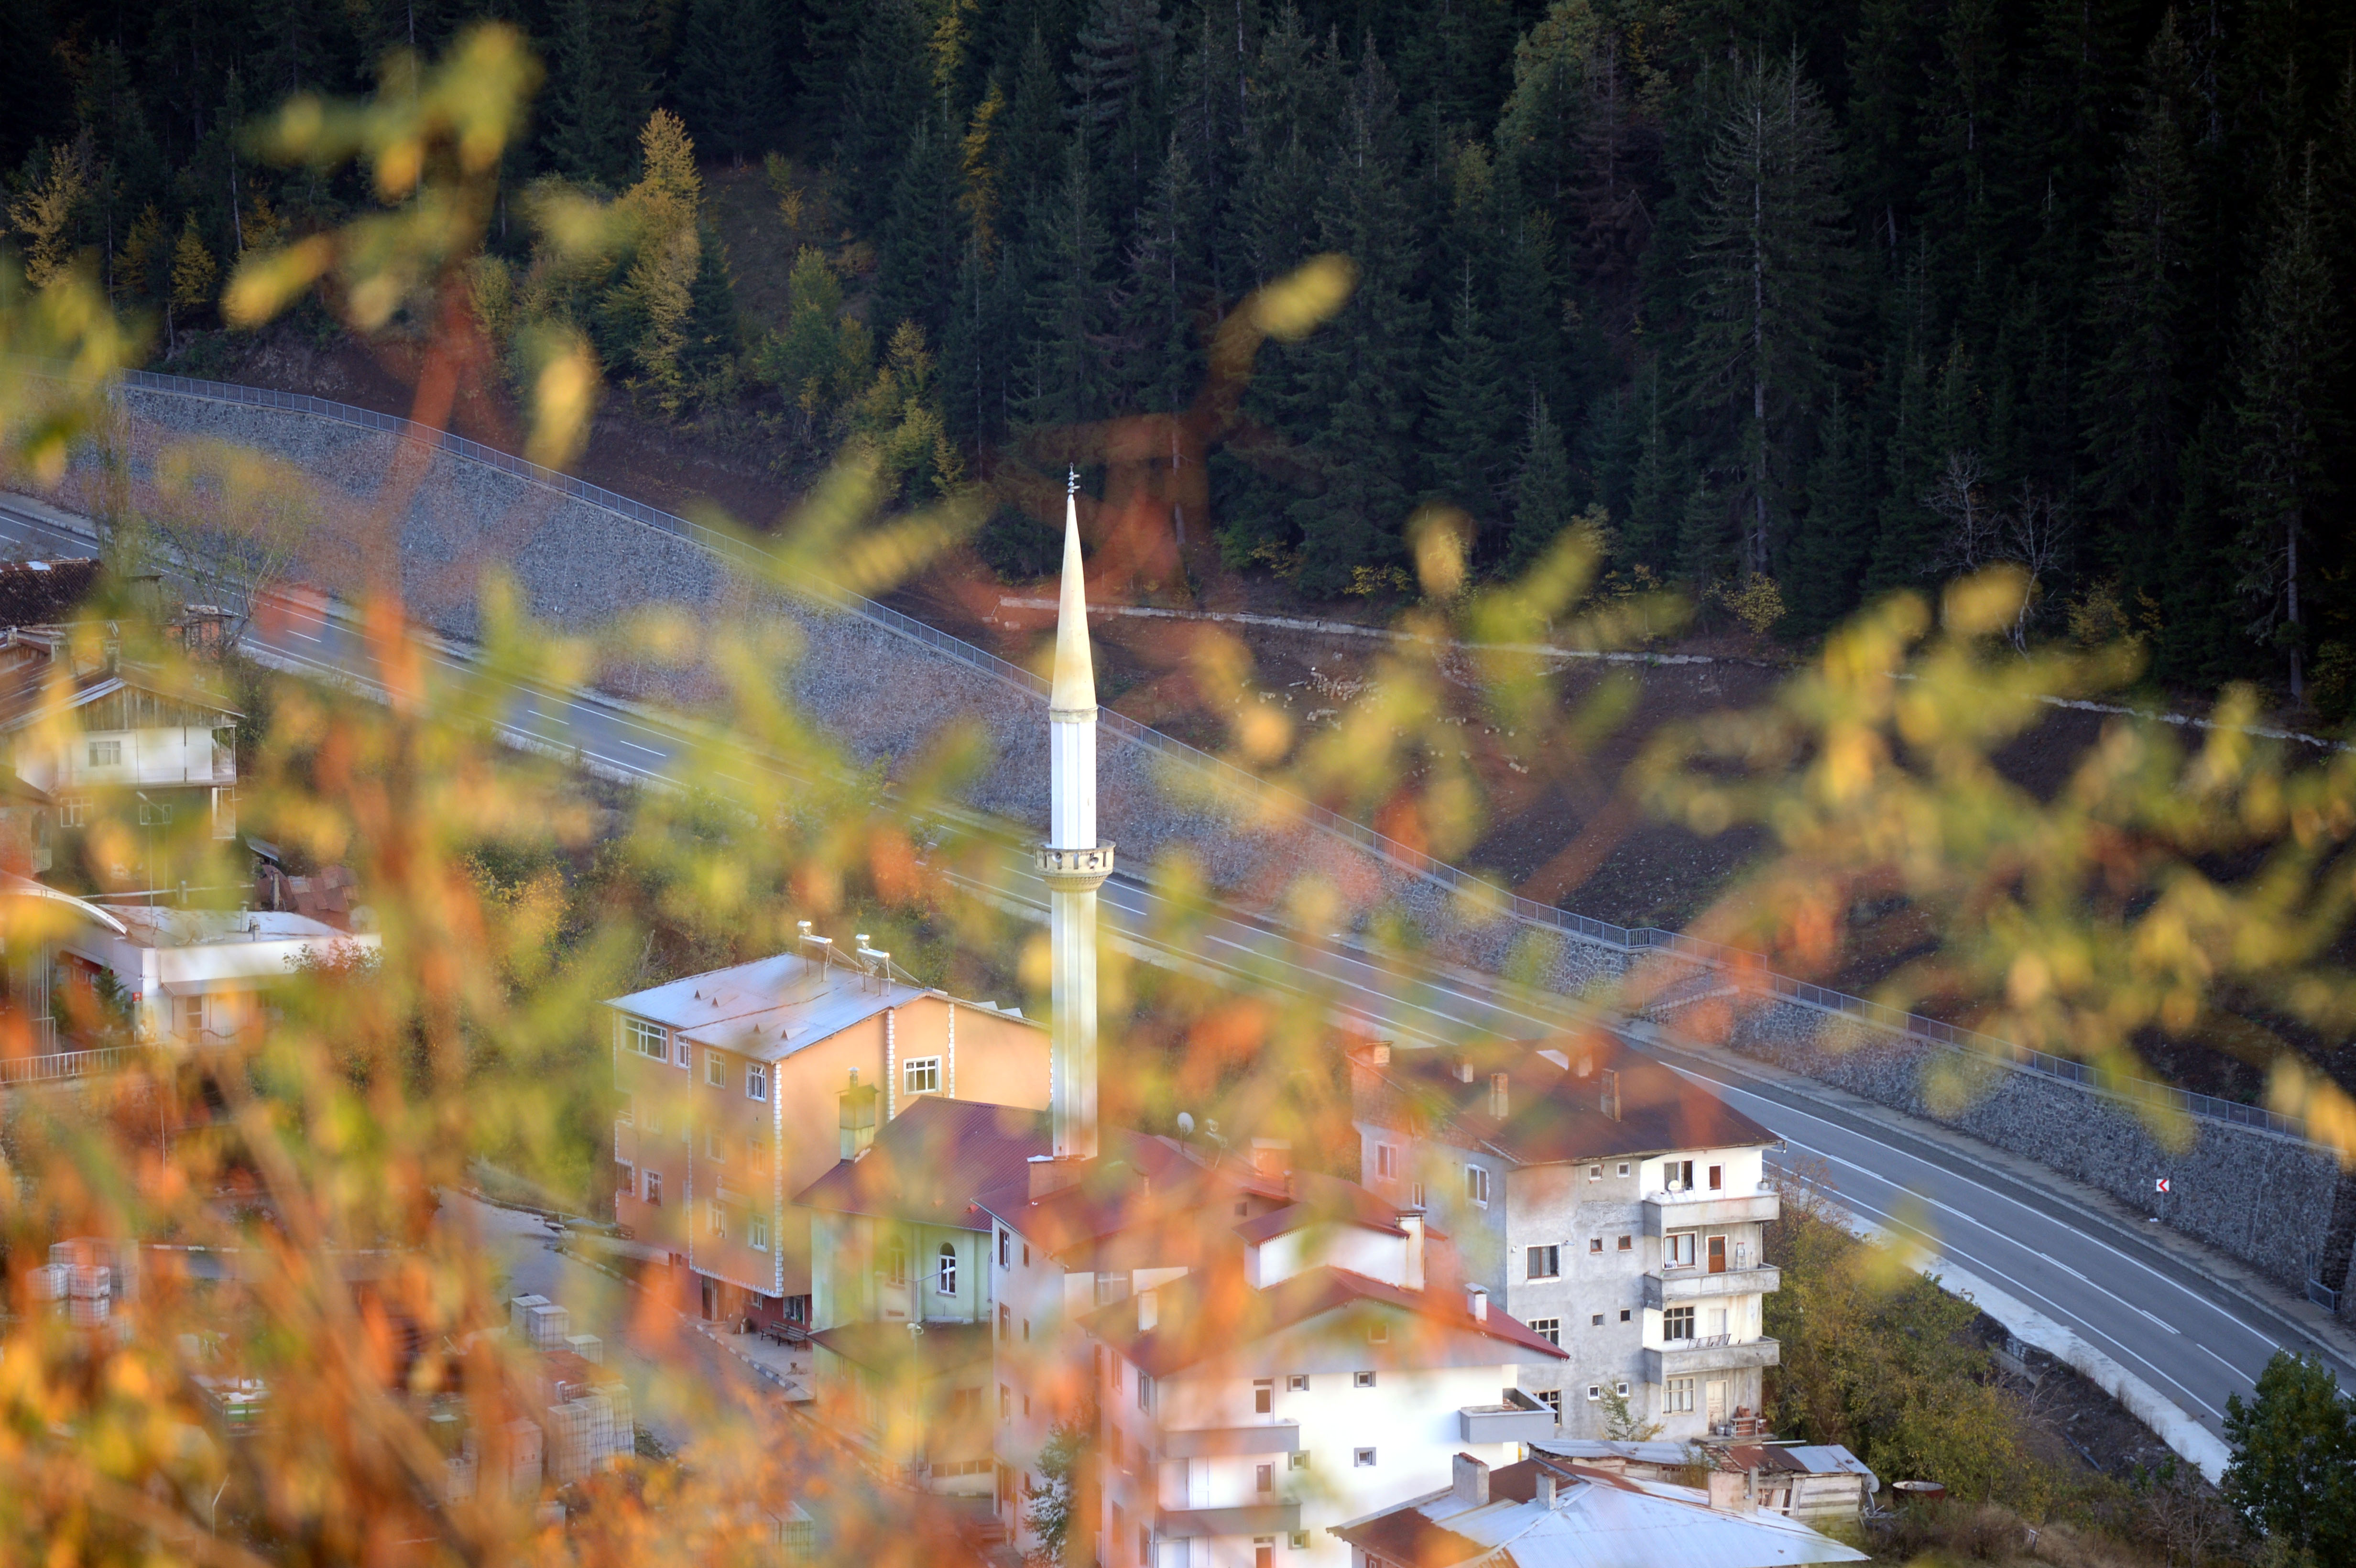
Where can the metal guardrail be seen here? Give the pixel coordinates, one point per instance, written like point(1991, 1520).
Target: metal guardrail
point(1228, 775)
point(56, 1066)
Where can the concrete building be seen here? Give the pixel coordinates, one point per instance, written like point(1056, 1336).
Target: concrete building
point(191, 977)
point(1545, 1513)
point(1609, 1204)
point(741, 1086)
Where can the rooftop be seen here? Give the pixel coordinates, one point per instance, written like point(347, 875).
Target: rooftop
point(928, 1163)
point(159, 926)
point(773, 1007)
point(1556, 1100)
point(35, 591)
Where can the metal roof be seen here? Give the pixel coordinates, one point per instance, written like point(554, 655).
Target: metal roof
point(773, 1007)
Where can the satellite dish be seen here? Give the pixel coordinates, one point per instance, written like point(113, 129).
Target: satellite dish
point(1185, 1124)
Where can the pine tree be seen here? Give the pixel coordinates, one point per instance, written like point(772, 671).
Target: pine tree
point(1465, 432)
point(1539, 129)
point(727, 76)
point(1828, 560)
point(2136, 397)
point(1360, 373)
point(1120, 80)
point(2290, 346)
point(1773, 267)
point(920, 241)
point(886, 98)
point(1542, 498)
point(1158, 357)
point(597, 92)
point(1286, 130)
point(1064, 376)
point(1656, 492)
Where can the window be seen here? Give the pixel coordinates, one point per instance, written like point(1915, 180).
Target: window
point(1242, 1210)
point(1624, 1315)
point(1144, 1544)
point(685, 1056)
point(1677, 1323)
point(1298, 1459)
point(1677, 1249)
point(1594, 1393)
point(1596, 1321)
point(1263, 1478)
point(1362, 1379)
point(1594, 1246)
point(1680, 1395)
point(1623, 1168)
point(1548, 1329)
point(756, 1081)
point(1026, 1330)
point(1552, 1399)
point(1003, 1237)
point(1627, 1243)
point(1145, 1393)
point(1676, 1175)
point(1026, 1254)
point(1006, 1402)
point(1297, 1383)
point(921, 1075)
point(1385, 1161)
point(1594, 1173)
point(944, 1271)
point(895, 1261)
point(715, 1147)
point(74, 811)
point(155, 813)
point(106, 753)
point(758, 1234)
point(1415, 1193)
point(654, 1189)
point(715, 1218)
point(1544, 1262)
point(1364, 1458)
point(1263, 1396)
point(715, 1070)
point(1005, 1323)
point(1476, 1185)
point(190, 1021)
point(1620, 1388)
point(646, 1039)
point(1298, 1540)
point(625, 1179)
point(1378, 1334)
point(1716, 1178)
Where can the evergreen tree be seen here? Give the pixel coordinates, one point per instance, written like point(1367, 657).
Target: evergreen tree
point(1772, 275)
point(2135, 392)
point(1539, 131)
point(1657, 494)
point(727, 76)
point(1828, 560)
point(597, 92)
point(921, 236)
point(1465, 432)
point(1158, 361)
point(1064, 381)
point(2293, 1475)
point(1119, 82)
point(885, 101)
point(1360, 373)
point(1542, 498)
point(2290, 344)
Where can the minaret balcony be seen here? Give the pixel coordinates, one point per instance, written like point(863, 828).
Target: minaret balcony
point(1074, 870)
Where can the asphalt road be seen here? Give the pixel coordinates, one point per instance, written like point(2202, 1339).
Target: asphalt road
point(2192, 1337)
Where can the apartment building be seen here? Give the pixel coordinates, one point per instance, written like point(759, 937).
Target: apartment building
point(1270, 1352)
point(740, 1087)
point(1613, 1206)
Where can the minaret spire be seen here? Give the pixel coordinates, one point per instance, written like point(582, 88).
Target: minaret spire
point(1072, 863)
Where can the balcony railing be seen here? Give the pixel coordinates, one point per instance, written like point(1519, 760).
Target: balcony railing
point(1693, 1284)
point(1711, 1354)
point(1667, 1211)
point(56, 1066)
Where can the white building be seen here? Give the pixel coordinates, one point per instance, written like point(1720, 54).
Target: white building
point(1611, 1205)
point(196, 976)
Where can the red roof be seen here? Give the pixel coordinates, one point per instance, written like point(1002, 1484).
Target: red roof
point(928, 1163)
point(1202, 1315)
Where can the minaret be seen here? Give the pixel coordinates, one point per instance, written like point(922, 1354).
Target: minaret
point(1072, 863)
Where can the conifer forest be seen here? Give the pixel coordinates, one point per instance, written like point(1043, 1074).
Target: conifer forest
point(1793, 301)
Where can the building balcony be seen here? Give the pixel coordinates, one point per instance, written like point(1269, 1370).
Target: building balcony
point(1260, 1519)
point(1518, 1419)
point(1694, 1285)
point(1667, 1211)
point(1718, 1353)
point(1214, 1441)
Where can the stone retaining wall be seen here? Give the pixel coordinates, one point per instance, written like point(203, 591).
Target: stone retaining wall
point(2259, 1197)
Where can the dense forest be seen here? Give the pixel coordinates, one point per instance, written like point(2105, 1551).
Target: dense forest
point(1796, 301)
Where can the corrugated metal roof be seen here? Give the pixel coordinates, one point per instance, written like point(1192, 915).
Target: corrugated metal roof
point(1619, 1522)
point(773, 1007)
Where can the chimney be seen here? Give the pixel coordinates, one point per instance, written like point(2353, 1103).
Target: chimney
point(1381, 1055)
point(857, 1118)
point(1499, 1104)
point(1477, 1297)
point(1050, 1175)
point(1464, 1071)
point(1411, 1222)
point(1149, 1312)
point(1730, 1491)
point(1272, 1159)
point(1606, 1099)
point(1546, 1489)
point(1470, 1481)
